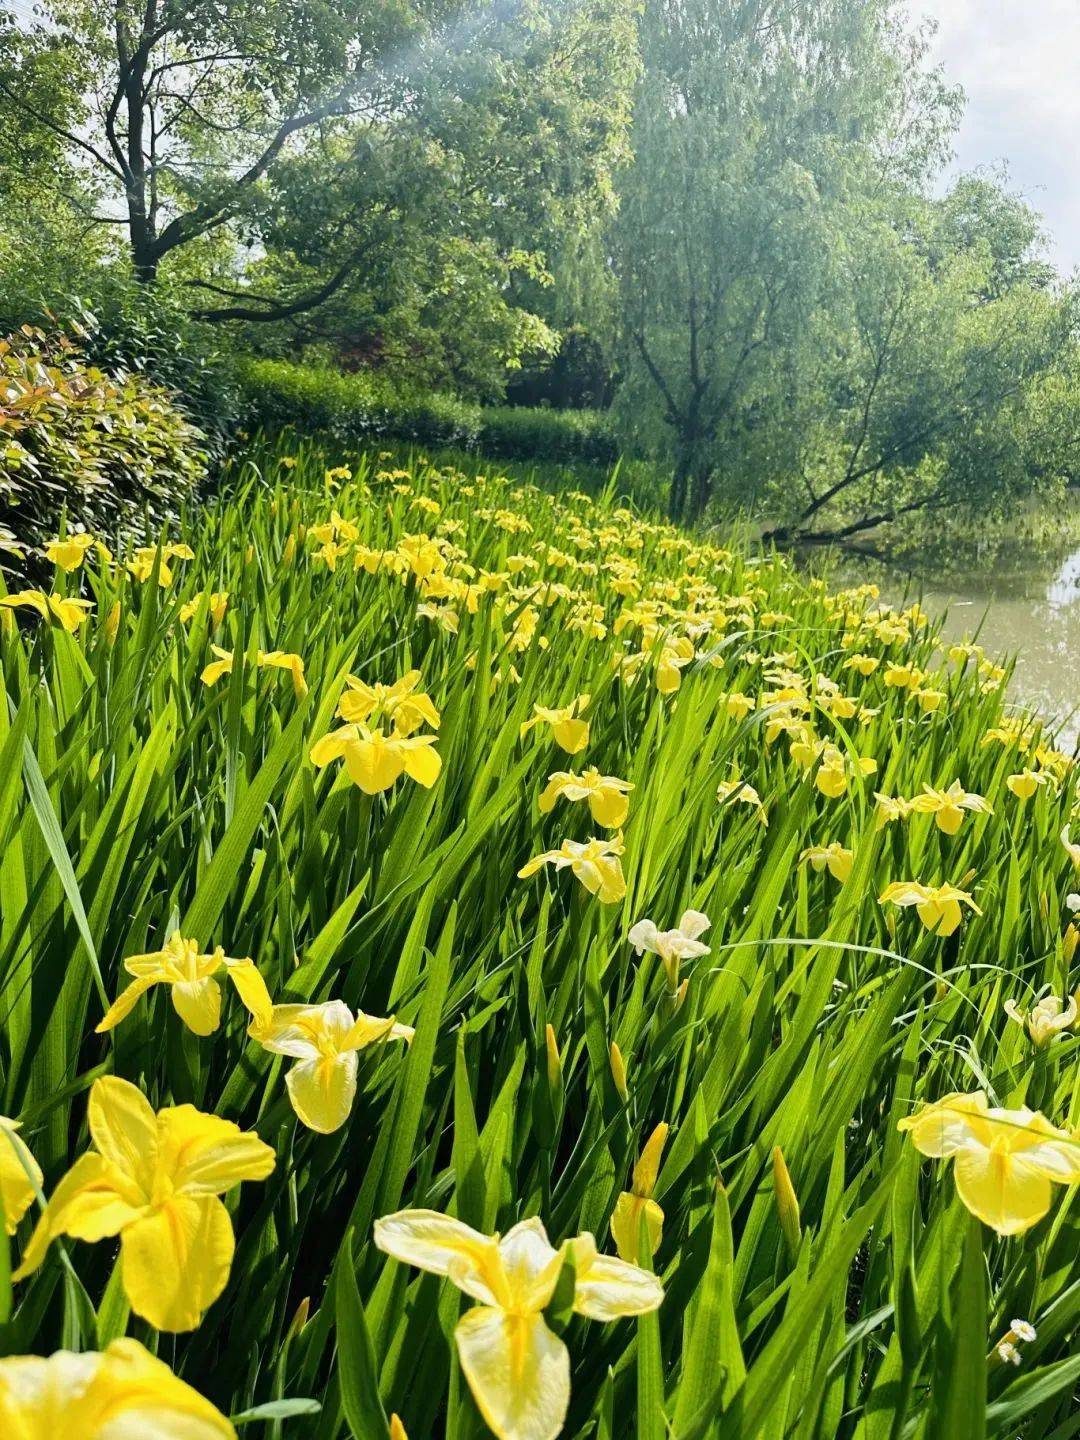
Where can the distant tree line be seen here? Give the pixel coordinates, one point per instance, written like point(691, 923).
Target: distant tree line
point(721, 218)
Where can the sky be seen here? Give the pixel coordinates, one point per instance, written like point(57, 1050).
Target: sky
point(1017, 62)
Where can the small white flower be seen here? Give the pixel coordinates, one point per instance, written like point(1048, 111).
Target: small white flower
point(672, 945)
point(1049, 1019)
point(1022, 1330)
point(1008, 1353)
point(1072, 902)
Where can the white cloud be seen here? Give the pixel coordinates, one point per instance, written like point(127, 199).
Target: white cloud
point(1017, 62)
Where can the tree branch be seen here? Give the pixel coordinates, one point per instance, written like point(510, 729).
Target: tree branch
point(275, 309)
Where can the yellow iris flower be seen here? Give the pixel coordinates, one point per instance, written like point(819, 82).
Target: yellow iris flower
point(20, 1174)
point(68, 554)
point(141, 565)
point(154, 1180)
point(323, 1040)
point(891, 808)
point(1025, 784)
point(569, 730)
point(838, 858)
point(375, 761)
point(607, 795)
point(904, 677)
point(938, 906)
point(594, 862)
point(834, 771)
point(737, 791)
point(264, 659)
point(445, 616)
point(116, 1394)
point(402, 704)
point(517, 1370)
point(735, 705)
point(195, 994)
point(948, 806)
point(217, 603)
point(636, 1202)
point(69, 613)
point(674, 655)
point(1006, 1161)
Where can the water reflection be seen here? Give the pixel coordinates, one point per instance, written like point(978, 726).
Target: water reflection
point(1064, 588)
point(1024, 604)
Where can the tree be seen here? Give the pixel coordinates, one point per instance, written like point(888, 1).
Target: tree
point(936, 383)
point(464, 210)
point(756, 124)
point(384, 156)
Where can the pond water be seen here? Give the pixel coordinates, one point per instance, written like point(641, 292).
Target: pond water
point(1025, 601)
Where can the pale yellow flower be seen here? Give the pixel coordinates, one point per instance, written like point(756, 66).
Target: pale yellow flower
point(838, 858)
point(324, 1041)
point(735, 705)
point(1047, 1021)
point(938, 906)
point(594, 862)
point(1006, 1162)
point(891, 808)
point(672, 946)
point(606, 794)
point(948, 806)
point(516, 1368)
point(737, 791)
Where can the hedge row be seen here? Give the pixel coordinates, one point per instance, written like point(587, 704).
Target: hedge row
point(363, 407)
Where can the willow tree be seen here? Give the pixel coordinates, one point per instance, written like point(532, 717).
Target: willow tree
point(946, 377)
point(755, 122)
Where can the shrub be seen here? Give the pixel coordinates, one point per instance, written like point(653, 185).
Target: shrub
point(278, 394)
point(129, 328)
point(76, 441)
point(513, 432)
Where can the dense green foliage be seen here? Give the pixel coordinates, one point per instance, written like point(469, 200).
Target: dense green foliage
point(76, 442)
point(359, 406)
point(138, 798)
point(385, 179)
point(809, 331)
point(723, 220)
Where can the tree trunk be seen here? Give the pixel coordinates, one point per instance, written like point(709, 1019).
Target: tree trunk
point(679, 482)
point(143, 259)
point(700, 491)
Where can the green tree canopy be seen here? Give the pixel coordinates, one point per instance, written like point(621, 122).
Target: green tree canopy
point(380, 172)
